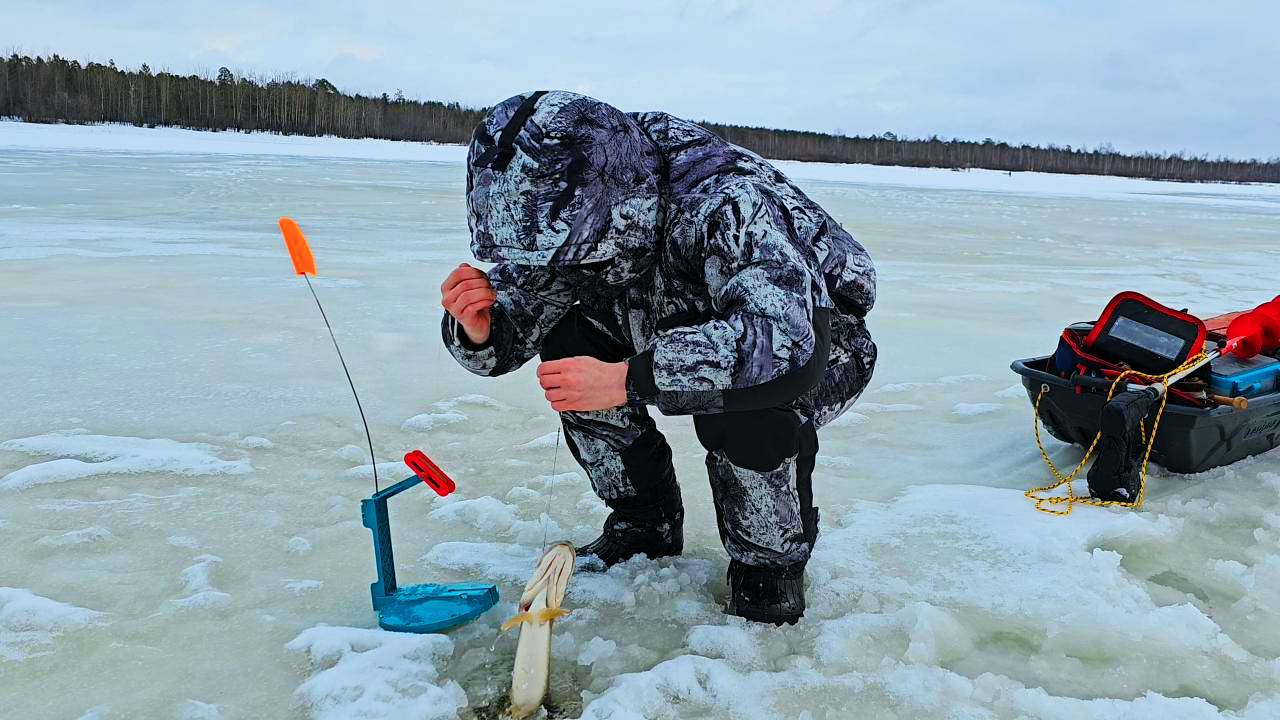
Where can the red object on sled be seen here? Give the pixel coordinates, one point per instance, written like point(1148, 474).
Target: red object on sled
point(430, 473)
point(1145, 335)
point(1255, 332)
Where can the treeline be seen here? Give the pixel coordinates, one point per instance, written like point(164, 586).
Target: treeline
point(988, 154)
point(60, 90)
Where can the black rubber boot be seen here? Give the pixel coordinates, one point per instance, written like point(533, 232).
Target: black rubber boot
point(766, 595)
point(656, 531)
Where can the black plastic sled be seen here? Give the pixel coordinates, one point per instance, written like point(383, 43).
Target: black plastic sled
point(1190, 440)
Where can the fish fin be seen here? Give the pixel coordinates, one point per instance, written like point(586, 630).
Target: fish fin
point(517, 619)
point(550, 614)
point(541, 616)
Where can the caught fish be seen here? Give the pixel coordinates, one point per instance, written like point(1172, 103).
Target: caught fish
point(539, 608)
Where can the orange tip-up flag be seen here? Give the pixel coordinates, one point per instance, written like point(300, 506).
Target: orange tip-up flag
point(304, 263)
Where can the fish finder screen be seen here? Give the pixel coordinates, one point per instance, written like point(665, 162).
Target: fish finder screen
point(1148, 338)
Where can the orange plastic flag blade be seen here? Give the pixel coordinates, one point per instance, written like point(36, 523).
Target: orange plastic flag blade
point(304, 263)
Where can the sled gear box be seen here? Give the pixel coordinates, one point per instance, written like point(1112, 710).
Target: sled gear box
point(1250, 378)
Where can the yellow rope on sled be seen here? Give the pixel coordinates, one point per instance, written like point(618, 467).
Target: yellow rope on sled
point(540, 616)
point(1049, 503)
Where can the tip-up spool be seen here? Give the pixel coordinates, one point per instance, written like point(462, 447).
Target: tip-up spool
point(430, 473)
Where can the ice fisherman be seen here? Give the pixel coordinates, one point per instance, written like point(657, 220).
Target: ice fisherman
point(648, 262)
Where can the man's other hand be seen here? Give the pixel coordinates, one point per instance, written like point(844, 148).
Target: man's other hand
point(467, 295)
point(583, 383)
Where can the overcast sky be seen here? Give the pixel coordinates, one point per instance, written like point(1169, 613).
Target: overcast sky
point(1203, 77)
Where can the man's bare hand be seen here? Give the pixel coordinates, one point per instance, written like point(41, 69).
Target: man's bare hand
point(583, 383)
point(467, 295)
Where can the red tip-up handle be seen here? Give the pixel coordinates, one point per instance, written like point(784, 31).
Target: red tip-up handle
point(429, 472)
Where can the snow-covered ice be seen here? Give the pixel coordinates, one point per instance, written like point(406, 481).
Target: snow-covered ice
point(83, 536)
point(197, 584)
point(426, 422)
point(196, 710)
point(971, 409)
point(90, 455)
point(29, 622)
point(360, 673)
point(180, 481)
point(300, 587)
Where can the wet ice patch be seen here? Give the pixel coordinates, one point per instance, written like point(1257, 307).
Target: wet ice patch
point(427, 422)
point(302, 587)
point(396, 470)
point(848, 419)
point(1012, 392)
point(29, 622)
point(81, 456)
point(870, 407)
point(520, 493)
point(492, 561)
point(491, 516)
point(197, 583)
point(905, 387)
point(963, 379)
point(83, 536)
point(973, 409)
point(837, 461)
point(473, 400)
point(541, 442)
point(359, 673)
point(196, 710)
point(446, 413)
point(352, 453)
point(183, 541)
point(559, 479)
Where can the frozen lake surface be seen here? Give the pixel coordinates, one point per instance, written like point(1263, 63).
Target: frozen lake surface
point(182, 466)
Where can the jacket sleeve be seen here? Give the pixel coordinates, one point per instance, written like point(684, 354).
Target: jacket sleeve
point(768, 340)
point(531, 300)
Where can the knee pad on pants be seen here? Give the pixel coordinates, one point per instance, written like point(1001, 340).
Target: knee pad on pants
point(757, 440)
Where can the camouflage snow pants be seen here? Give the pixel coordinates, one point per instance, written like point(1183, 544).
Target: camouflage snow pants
point(760, 462)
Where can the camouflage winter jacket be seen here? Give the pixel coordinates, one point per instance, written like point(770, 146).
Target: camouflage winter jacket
point(733, 288)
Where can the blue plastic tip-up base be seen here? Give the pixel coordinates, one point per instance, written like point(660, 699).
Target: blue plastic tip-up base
point(435, 608)
point(426, 608)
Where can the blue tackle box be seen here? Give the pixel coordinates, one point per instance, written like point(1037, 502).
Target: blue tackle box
point(1250, 378)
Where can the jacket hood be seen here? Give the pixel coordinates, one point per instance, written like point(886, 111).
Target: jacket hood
point(561, 179)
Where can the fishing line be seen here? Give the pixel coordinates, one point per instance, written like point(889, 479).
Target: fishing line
point(546, 516)
point(356, 395)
